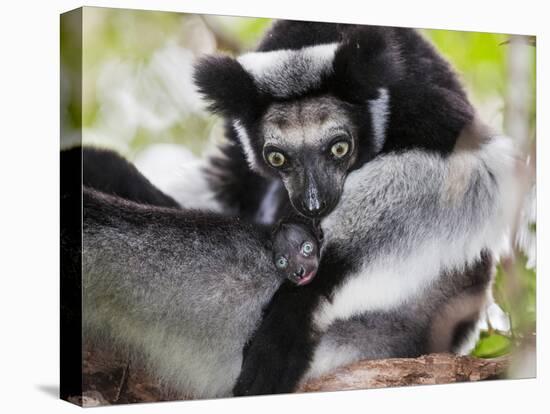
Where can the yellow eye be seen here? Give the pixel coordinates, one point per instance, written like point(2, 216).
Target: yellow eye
point(276, 159)
point(340, 149)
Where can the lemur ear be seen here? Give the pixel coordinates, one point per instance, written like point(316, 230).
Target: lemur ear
point(229, 89)
point(366, 60)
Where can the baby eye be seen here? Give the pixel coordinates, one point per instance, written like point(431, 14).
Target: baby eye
point(307, 248)
point(281, 262)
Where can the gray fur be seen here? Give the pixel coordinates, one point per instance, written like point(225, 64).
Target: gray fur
point(417, 282)
point(306, 122)
point(418, 326)
point(436, 225)
point(188, 300)
point(181, 297)
point(304, 130)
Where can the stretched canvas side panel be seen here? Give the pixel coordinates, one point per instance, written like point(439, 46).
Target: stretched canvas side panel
point(71, 207)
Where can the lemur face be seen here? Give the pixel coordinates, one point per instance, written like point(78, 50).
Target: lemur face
point(307, 115)
point(311, 144)
point(296, 253)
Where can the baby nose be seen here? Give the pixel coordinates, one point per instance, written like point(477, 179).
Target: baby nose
point(300, 272)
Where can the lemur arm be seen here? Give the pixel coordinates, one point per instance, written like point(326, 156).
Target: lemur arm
point(279, 352)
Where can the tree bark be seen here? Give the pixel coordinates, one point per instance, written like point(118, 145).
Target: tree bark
point(113, 380)
point(395, 372)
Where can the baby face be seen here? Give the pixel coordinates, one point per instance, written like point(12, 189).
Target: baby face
point(296, 253)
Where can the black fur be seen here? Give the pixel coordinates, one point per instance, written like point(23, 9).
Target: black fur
point(228, 87)
point(106, 171)
point(239, 189)
point(70, 282)
point(477, 279)
point(428, 110)
point(361, 66)
point(293, 34)
point(282, 348)
point(428, 106)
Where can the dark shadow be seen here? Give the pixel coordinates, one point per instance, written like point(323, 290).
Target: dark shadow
point(50, 389)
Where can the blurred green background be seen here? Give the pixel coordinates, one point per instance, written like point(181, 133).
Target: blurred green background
point(137, 91)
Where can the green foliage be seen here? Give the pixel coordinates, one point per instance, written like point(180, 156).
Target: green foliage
point(125, 34)
point(71, 70)
point(251, 30)
point(492, 345)
point(480, 58)
point(189, 132)
point(515, 290)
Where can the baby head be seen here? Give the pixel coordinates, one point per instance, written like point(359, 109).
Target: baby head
point(296, 252)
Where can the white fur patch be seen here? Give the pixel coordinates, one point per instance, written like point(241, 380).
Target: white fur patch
point(244, 138)
point(269, 205)
point(380, 111)
point(286, 72)
point(329, 356)
point(388, 284)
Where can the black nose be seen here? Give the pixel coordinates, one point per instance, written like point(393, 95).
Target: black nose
point(314, 209)
point(300, 272)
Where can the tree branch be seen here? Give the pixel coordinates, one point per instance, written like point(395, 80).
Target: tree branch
point(394, 372)
point(108, 380)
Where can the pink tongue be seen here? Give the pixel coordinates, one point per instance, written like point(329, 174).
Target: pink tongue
point(306, 279)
